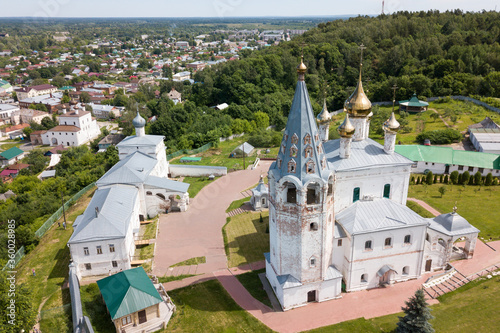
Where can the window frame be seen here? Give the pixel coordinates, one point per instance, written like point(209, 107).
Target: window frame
point(111, 248)
point(368, 245)
point(356, 193)
point(388, 242)
point(409, 239)
point(364, 278)
point(86, 251)
point(98, 249)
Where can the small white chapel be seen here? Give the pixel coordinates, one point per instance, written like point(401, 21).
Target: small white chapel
point(338, 219)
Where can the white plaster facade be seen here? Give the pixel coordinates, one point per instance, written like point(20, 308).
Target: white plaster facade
point(75, 128)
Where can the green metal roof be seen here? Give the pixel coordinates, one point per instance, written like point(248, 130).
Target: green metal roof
point(11, 153)
point(190, 159)
point(414, 101)
point(4, 84)
point(450, 156)
point(128, 292)
point(67, 88)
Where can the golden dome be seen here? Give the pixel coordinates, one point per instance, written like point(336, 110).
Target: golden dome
point(391, 124)
point(346, 130)
point(324, 115)
point(358, 104)
point(301, 68)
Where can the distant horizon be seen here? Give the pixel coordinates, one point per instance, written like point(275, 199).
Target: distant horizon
point(66, 9)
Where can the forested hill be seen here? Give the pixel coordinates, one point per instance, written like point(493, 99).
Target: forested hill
point(431, 53)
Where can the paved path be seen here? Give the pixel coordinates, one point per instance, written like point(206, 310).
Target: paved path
point(197, 232)
point(426, 206)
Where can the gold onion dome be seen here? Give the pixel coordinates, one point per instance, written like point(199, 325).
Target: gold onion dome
point(346, 130)
point(358, 104)
point(301, 68)
point(324, 115)
point(391, 124)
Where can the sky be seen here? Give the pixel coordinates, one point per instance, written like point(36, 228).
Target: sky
point(227, 8)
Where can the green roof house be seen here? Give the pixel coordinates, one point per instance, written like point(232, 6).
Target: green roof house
point(11, 156)
point(134, 302)
point(445, 160)
point(413, 105)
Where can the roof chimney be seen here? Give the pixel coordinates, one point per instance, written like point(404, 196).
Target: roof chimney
point(97, 212)
point(64, 111)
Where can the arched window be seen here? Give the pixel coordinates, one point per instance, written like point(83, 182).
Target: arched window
point(161, 196)
point(279, 162)
point(368, 245)
point(293, 151)
point(307, 139)
point(313, 193)
point(313, 226)
point(149, 193)
point(388, 242)
point(355, 194)
point(364, 278)
point(292, 166)
point(263, 201)
point(291, 193)
point(295, 138)
point(407, 239)
point(406, 270)
point(427, 238)
point(308, 151)
point(310, 166)
point(387, 190)
point(330, 186)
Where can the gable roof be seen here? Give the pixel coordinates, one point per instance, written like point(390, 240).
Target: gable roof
point(447, 155)
point(379, 214)
point(133, 169)
point(128, 292)
point(452, 224)
point(145, 140)
point(11, 153)
point(115, 207)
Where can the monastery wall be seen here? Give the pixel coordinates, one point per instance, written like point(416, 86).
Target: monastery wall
point(178, 170)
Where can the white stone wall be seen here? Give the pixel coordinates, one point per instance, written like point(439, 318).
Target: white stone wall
point(361, 128)
point(371, 183)
point(178, 170)
point(398, 255)
point(440, 168)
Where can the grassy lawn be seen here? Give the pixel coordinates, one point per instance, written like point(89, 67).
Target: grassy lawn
point(197, 183)
point(7, 146)
point(237, 204)
point(165, 279)
point(150, 229)
point(93, 307)
point(207, 307)
point(479, 205)
point(419, 209)
point(472, 308)
point(220, 156)
point(191, 261)
point(252, 283)
point(50, 260)
point(245, 238)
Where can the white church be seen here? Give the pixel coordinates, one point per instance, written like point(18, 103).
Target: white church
point(75, 128)
point(338, 219)
point(134, 189)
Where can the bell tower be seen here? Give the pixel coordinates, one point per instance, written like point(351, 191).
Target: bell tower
point(301, 210)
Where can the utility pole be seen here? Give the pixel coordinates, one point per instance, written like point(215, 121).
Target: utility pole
point(383, 7)
point(64, 212)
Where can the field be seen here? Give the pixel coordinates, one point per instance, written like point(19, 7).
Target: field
point(197, 183)
point(246, 239)
point(479, 205)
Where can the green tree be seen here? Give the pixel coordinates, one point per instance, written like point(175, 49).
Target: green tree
point(446, 179)
point(85, 97)
point(429, 178)
point(24, 312)
point(478, 179)
point(417, 315)
point(489, 179)
point(442, 190)
point(261, 119)
point(465, 178)
point(454, 177)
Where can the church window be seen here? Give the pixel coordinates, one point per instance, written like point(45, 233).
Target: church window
point(388, 242)
point(339, 242)
point(330, 186)
point(368, 245)
point(387, 190)
point(320, 148)
point(149, 193)
point(99, 249)
point(88, 267)
point(293, 151)
point(263, 201)
point(86, 251)
point(406, 270)
point(310, 166)
point(308, 151)
point(111, 247)
point(408, 239)
point(313, 194)
point(114, 263)
point(364, 278)
point(291, 166)
point(427, 238)
point(313, 226)
point(307, 139)
point(291, 193)
point(313, 262)
point(295, 138)
point(355, 194)
point(161, 196)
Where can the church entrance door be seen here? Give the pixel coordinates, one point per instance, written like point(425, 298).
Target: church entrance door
point(311, 296)
point(385, 278)
point(428, 265)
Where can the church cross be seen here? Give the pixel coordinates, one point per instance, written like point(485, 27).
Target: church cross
point(361, 47)
point(394, 88)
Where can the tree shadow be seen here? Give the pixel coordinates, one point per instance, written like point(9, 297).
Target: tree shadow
point(60, 269)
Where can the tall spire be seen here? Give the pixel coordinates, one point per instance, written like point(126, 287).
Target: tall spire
point(358, 104)
point(301, 152)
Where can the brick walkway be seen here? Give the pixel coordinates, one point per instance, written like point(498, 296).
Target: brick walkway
point(426, 206)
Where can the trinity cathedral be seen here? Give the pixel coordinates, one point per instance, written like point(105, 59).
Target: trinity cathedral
point(338, 219)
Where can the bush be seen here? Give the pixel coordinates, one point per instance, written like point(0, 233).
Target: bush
point(446, 180)
point(454, 177)
point(412, 180)
point(489, 179)
point(445, 136)
point(478, 178)
point(435, 179)
point(263, 138)
point(441, 179)
point(429, 178)
point(465, 178)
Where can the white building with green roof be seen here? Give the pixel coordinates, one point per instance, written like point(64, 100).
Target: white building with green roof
point(445, 160)
point(134, 303)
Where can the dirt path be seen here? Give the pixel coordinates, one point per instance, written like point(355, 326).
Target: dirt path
point(440, 117)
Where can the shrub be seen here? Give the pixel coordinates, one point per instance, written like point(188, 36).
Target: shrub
point(465, 178)
point(445, 136)
point(478, 178)
point(429, 178)
point(454, 177)
point(441, 179)
point(446, 180)
point(413, 179)
point(435, 179)
point(489, 179)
